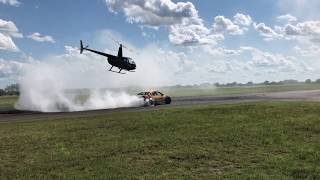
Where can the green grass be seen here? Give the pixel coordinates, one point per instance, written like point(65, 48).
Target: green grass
point(7, 102)
point(278, 140)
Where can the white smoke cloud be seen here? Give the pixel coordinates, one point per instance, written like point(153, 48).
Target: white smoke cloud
point(52, 87)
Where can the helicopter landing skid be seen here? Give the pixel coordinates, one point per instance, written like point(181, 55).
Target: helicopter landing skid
point(117, 72)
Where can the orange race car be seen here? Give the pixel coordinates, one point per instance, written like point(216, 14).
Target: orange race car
point(154, 98)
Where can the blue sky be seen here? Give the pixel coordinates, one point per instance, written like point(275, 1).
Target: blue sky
point(69, 21)
point(278, 42)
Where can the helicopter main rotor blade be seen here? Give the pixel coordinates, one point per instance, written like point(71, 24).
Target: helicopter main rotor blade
point(124, 46)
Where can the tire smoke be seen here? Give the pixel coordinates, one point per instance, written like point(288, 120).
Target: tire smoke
point(49, 88)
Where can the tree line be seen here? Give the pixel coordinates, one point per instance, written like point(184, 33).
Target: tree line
point(10, 90)
point(13, 89)
point(250, 83)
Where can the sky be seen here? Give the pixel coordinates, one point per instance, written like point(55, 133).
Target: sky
point(175, 41)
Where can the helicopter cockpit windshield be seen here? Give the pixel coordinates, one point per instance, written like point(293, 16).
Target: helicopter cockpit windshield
point(131, 61)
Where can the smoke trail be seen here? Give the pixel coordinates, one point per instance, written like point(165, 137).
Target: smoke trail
point(46, 87)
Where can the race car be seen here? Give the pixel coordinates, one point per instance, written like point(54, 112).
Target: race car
point(154, 98)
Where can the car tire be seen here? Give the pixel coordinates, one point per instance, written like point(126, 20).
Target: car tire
point(151, 103)
point(167, 100)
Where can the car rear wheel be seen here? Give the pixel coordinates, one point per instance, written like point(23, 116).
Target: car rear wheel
point(148, 102)
point(167, 100)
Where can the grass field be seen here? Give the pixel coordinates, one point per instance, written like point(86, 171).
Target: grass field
point(277, 140)
point(7, 102)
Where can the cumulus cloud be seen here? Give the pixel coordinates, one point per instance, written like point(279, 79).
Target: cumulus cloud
point(222, 24)
point(276, 62)
point(7, 44)
point(287, 18)
point(304, 9)
point(221, 67)
point(311, 51)
point(302, 31)
point(15, 3)
point(182, 20)
point(41, 38)
point(242, 19)
point(267, 32)
point(190, 34)
point(153, 13)
point(219, 51)
point(9, 28)
point(309, 29)
point(10, 69)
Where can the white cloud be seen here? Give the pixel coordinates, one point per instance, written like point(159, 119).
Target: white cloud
point(41, 38)
point(242, 19)
point(304, 9)
point(287, 18)
point(9, 28)
point(191, 34)
point(267, 32)
point(10, 69)
point(7, 44)
point(154, 12)
point(181, 18)
point(221, 67)
point(309, 29)
point(222, 24)
point(274, 62)
point(311, 51)
point(302, 31)
point(11, 2)
point(214, 51)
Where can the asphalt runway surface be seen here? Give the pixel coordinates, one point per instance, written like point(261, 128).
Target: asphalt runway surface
point(16, 115)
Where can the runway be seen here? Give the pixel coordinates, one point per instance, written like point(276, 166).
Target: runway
point(16, 115)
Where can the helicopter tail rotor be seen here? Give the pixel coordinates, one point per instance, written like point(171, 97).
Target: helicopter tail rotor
point(82, 48)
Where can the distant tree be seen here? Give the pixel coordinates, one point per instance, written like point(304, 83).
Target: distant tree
point(289, 81)
point(2, 92)
point(250, 83)
point(318, 81)
point(266, 83)
point(12, 89)
point(308, 81)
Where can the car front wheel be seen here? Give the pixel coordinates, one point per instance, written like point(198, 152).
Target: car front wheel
point(167, 100)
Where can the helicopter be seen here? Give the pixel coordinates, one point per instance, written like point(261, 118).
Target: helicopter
point(123, 63)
